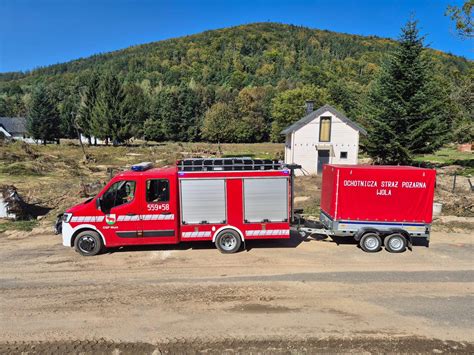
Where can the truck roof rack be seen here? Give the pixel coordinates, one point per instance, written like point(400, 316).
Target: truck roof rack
point(229, 164)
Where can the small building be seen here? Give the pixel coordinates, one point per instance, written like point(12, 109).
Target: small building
point(14, 128)
point(92, 140)
point(323, 136)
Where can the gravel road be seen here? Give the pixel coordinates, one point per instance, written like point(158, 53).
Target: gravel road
point(275, 297)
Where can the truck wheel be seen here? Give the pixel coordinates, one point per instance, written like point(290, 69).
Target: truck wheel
point(395, 243)
point(88, 243)
point(370, 242)
point(228, 241)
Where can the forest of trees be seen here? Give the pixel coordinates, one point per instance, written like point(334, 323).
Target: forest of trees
point(245, 84)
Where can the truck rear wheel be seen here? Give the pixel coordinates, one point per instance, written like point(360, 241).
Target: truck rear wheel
point(370, 242)
point(395, 243)
point(88, 243)
point(228, 241)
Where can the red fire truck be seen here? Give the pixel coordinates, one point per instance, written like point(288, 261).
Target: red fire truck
point(229, 201)
point(226, 201)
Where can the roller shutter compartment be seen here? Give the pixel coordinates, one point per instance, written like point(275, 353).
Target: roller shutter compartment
point(203, 201)
point(266, 200)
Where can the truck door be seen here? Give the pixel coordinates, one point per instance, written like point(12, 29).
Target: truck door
point(121, 207)
point(159, 219)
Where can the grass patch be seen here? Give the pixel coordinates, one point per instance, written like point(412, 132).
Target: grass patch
point(449, 156)
point(21, 168)
point(26, 226)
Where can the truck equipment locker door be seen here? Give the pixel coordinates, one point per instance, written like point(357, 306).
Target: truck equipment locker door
point(203, 201)
point(159, 221)
point(265, 200)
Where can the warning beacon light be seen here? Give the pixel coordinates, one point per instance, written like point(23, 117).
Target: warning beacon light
point(142, 166)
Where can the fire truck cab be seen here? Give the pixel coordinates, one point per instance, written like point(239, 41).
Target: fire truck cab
point(226, 201)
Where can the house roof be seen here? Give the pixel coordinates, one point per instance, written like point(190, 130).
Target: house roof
point(13, 125)
point(311, 116)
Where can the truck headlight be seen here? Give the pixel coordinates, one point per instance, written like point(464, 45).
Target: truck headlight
point(67, 217)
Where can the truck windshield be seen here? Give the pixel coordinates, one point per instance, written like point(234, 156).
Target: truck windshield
point(118, 194)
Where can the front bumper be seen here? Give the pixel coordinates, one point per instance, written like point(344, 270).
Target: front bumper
point(67, 233)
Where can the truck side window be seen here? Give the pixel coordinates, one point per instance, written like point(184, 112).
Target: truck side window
point(118, 194)
point(157, 190)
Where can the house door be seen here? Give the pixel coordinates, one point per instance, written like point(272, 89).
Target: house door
point(323, 159)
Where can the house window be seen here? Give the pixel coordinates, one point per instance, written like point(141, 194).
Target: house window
point(343, 155)
point(325, 129)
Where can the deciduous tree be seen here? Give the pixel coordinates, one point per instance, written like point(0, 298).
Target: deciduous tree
point(289, 106)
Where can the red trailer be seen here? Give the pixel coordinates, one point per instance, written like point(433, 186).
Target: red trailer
point(378, 205)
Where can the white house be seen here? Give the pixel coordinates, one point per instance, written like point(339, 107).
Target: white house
point(14, 128)
point(321, 137)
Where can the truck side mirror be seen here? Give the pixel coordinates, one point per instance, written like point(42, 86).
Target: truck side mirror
point(98, 203)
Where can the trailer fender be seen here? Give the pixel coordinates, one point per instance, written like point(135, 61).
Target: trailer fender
point(228, 227)
point(364, 230)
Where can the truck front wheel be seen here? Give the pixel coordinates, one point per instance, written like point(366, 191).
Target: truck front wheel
point(228, 241)
point(395, 243)
point(370, 242)
point(88, 243)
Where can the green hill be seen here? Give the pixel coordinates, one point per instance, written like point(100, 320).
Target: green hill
point(255, 54)
point(271, 58)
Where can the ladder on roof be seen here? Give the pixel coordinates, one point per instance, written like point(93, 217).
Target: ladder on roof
point(229, 164)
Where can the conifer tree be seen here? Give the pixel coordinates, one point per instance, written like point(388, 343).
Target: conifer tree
point(107, 113)
point(135, 112)
point(43, 121)
point(87, 103)
point(407, 111)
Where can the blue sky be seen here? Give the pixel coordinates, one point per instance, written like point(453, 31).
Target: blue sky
point(41, 32)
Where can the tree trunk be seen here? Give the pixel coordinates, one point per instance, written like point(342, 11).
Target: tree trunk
point(82, 145)
point(44, 141)
point(219, 149)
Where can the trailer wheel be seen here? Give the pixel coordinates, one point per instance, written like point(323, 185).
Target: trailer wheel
point(88, 243)
point(228, 241)
point(370, 242)
point(395, 243)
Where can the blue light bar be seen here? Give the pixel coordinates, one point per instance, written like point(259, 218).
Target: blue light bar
point(142, 166)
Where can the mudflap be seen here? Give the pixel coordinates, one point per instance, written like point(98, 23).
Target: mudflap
point(409, 243)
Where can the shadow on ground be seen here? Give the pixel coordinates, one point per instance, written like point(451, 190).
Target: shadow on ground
point(293, 242)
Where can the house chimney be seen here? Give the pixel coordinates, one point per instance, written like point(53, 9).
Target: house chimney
point(309, 106)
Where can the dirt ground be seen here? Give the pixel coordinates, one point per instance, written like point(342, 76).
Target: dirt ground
point(292, 296)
